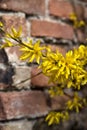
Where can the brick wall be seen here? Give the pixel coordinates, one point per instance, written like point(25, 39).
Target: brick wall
point(24, 103)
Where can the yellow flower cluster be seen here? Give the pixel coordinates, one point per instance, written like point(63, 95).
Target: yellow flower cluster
point(77, 23)
point(14, 35)
point(55, 117)
point(31, 51)
point(1, 24)
point(77, 103)
point(56, 90)
point(67, 71)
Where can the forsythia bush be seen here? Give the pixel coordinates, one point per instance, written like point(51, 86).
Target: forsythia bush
point(66, 72)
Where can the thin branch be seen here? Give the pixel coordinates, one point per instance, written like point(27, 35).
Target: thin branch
point(29, 78)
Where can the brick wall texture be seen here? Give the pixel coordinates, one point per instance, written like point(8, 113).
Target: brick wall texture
point(22, 104)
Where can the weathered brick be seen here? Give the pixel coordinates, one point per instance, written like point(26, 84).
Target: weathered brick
point(21, 77)
point(64, 8)
point(22, 104)
point(3, 57)
point(85, 12)
point(14, 20)
point(6, 71)
point(17, 125)
point(29, 104)
point(4, 86)
point(27, 6)
point(51, 29)
point(83, 0)
point(13, 54)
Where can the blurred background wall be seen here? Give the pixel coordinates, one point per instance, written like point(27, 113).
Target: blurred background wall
point(24, 104)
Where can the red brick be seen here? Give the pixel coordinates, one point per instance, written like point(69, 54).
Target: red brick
point(58, 102)
point(27, 6)
point(81, 36)
point(17, 125)
point(61, 49)
point(30, 104)
point(14, 20)
point(63, 8)
point(40, 80)
point(51, 29)
point(85, 12)
point(21, 104)
point(4, 86)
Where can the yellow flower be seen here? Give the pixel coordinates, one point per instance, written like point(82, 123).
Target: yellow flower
point(54, 91)
point(76, 103)
point(14, 33)
point(7, 43)
point(1, 24)
point(67, 71)
point(50, 65)
point(56, 117)
point(73, 17)
point(53, 118)
point(77, 23)
point(82, 23)
point(31, 51)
